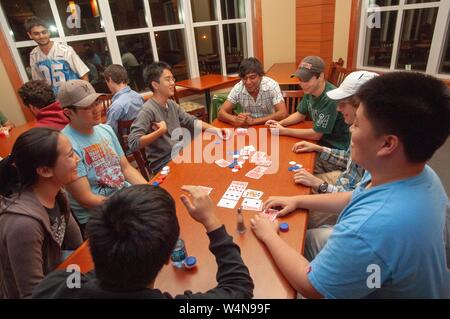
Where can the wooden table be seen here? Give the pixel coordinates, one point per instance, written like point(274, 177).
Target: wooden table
point(7, 143)
point(269, 283)
point(207, 82)
point(281, 72)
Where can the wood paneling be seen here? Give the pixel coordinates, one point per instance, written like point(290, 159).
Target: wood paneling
point(353, 34)
point(258, 51)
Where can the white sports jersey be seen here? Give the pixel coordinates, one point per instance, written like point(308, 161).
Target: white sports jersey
point(61, 64)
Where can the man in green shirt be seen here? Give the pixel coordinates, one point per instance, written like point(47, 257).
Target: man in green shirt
point(329, 127)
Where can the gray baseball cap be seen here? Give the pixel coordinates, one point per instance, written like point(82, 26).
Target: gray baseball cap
point(77, 93)
point(310, 66)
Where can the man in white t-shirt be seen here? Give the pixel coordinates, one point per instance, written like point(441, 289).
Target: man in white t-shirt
point(51, 61)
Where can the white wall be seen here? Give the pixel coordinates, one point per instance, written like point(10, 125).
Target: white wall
point(341, 29)
point(8, 99)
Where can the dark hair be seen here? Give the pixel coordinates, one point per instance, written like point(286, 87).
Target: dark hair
point(250, 65)
point(413, 106)
point(154, 71)
point(33, 21)
point(116, 73)
point(37, 93)
point(131, 237)
point(33, 149)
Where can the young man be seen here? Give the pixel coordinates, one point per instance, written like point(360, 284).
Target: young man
point(389, 238)
point(126, 103)
point(39, 97)
point(329, 126)
point(51, 61)
point(336, 181)
point(259, 96)
point(159, 117)
point(103, 167)
point(131, 238)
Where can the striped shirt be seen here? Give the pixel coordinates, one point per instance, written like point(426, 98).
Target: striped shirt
point(268, 96)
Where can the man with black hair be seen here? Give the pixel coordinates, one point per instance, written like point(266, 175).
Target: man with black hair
point(259, 96)
point(39, 97)
point(388, 241)
point(126, 103)
point(52, 61)
point(131, 237)
point(155, 126)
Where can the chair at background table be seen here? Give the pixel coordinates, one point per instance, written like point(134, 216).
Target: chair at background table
point(337, 73)
point(106, 102)
point(292, 99)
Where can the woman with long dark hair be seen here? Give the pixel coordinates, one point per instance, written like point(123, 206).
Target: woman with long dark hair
point(36, 223)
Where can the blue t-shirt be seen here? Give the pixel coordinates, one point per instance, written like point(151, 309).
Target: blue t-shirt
point(391, 234)
point(100, 155)
point(125, 105)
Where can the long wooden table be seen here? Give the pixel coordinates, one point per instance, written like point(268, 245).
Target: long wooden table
point(281, 72)
point(269, 282)
point(207, 82)
point(7, 142)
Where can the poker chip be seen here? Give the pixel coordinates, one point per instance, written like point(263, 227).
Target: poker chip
point(284, 227)
point(164, 173)
point(155, 184)
point(246, 157)
point(292, 163)
point(235, 170)
point(190, 262)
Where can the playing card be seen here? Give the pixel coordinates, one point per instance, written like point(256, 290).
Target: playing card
point(232, 194)
point(252, 204)
point(250, 193)
point(257, 172)
point(227, 203)
point(258, 156)
point(222, 163)
point(247, 150)
point(206, 189)
point(273, 213)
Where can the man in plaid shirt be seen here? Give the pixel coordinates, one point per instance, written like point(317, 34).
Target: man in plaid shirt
point(259, 96)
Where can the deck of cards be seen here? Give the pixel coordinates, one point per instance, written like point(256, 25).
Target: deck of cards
point(272, 213)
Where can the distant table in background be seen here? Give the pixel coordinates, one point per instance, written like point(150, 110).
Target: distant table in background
point(207, 82)
point(281, 72)
point(7, 142)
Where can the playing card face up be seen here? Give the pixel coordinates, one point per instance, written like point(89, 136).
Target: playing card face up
point(250, 193)
point(227, 203)
point(252, 204)
point(222, 163)
point(257, 172)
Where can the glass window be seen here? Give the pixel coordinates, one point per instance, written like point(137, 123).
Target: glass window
point(420, 1)
point(128, 14)
point(203, 10)
point(232, 9)
point(136, 52)
point(206, 39)
point(165, 12)
point(235, 39)
point(379, 41)
point(95, 54)
point(80, 17)
point(416, 35)
point(445, 63)
point(25, 57)
point(383, 3)
point(17, 12)
point(172, 49)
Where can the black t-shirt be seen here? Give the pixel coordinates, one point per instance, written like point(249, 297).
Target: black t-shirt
point(57, 223)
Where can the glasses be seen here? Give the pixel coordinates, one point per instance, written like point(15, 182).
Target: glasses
point(170, 79)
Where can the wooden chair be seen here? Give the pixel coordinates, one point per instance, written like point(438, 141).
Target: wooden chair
point(337, 72)
point(193, 108)
point(138, 156)
point(292, 99)
point(106, 102)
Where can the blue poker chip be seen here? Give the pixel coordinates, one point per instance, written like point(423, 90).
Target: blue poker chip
point(217, 142)
point(284, 227)
point(190, 262)
point(155, 184)
point(231, 165)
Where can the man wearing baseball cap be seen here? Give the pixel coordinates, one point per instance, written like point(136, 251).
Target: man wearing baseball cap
point(336, 181)
point(103, 167)
point(329, 126)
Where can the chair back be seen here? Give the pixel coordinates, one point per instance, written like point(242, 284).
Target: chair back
point(106, 102)
point(292, 99)
point(337, 72)
point(124, 128)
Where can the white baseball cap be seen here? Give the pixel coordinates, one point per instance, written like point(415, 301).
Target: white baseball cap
point(351, 84)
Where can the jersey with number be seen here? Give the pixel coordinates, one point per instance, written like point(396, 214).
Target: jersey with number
point(61, 64)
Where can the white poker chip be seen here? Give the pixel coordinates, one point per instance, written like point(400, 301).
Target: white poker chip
point(246, 157)
point(235, 170)
point(236, 156)
point(166, 168)
point(292, 163)
point(164, 173)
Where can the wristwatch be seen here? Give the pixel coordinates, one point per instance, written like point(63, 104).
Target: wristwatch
point(323, 188)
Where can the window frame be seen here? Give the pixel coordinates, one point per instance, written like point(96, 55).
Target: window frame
point(438, 42)
point(110, 34)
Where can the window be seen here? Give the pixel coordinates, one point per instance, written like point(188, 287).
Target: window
point(194, 36)
point(405, 34)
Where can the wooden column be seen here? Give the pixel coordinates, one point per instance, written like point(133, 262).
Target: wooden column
point(315, 29)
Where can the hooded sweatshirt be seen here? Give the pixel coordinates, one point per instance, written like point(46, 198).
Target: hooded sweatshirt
point(28, 248)
point(52, 116)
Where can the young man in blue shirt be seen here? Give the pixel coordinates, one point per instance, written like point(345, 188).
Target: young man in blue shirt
point(126, 103)
point(389, 238)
